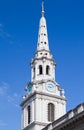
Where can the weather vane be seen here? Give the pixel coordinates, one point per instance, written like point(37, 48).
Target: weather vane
point(43, 8)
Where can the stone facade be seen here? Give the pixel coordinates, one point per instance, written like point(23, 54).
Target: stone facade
point(44, 100)
point(44, 104)
point(73, 120)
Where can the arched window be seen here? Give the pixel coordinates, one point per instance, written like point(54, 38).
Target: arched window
point(50, 112)
point(29, 114)
point(34, 72)
point(47, 70)
point(40, 69)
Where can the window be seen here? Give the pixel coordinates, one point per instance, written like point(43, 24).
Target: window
point(47, 69)
point(34, 72)
point(40, 69)
point(50, 112)
point(29, 114)
point(45, 42)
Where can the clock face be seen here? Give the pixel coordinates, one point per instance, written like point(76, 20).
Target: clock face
point(29, 88)
point(50, 86)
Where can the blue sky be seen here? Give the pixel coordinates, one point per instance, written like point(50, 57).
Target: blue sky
point(19, 21)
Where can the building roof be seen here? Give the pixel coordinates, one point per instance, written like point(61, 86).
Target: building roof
point(74, 117)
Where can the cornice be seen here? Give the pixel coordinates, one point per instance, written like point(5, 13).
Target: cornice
point(41, 58)
point(35, 123)
point(33, 95)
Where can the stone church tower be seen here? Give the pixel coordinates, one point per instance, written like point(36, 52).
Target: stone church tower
point(44, 101)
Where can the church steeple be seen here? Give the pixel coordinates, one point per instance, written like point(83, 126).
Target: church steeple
point(43, 65)
point(42, 34)
point(44, 101)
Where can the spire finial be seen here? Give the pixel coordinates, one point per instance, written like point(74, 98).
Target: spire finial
point(43, 9)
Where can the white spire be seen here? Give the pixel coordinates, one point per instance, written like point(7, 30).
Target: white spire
point(42, 35)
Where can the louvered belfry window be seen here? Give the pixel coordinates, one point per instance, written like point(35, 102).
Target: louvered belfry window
point(29, 114)
point(47, 69)
point(40, 69)
point(50, 112)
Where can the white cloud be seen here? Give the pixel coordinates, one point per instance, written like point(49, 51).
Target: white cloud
point(15, 95)
point(14, 99)
point(2, 124)
point(10, 99)
point(5, 35)
point(3, 88)
point(1, 25)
